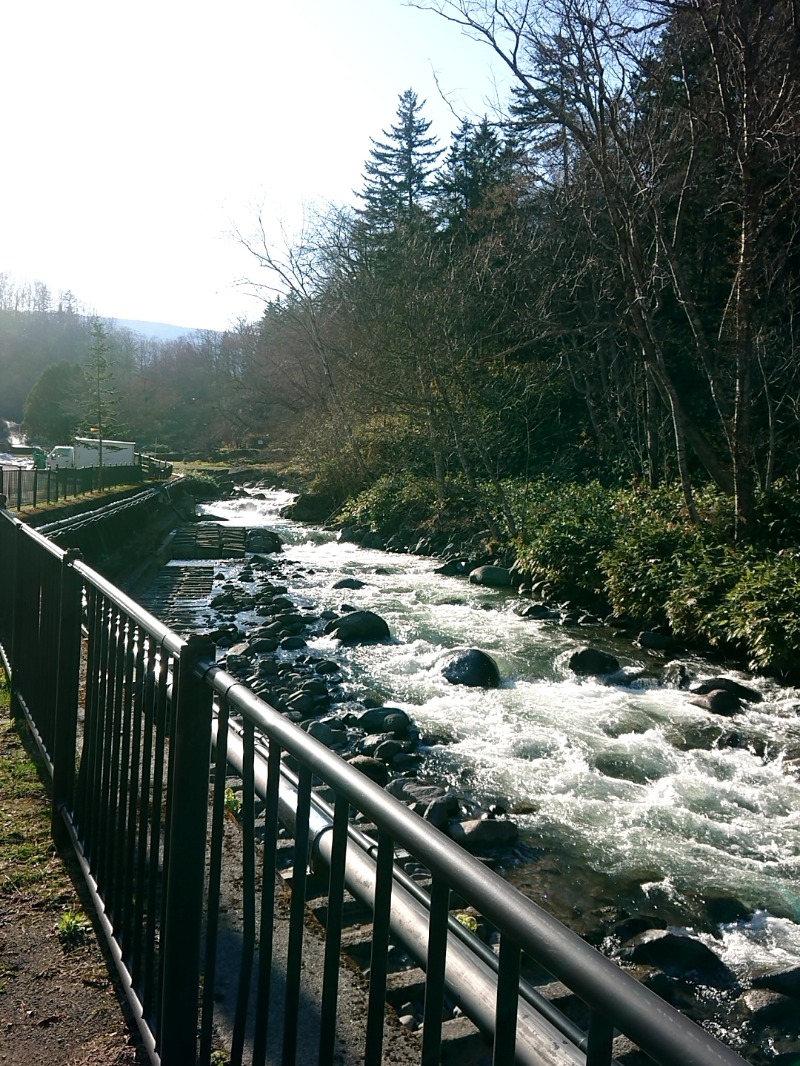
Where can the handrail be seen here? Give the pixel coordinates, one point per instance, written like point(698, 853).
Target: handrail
point(660, 1030)
point(142, 769)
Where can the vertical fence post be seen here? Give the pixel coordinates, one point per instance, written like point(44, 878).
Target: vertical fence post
point(190, 754)
point(22, 593)
point(66, 709)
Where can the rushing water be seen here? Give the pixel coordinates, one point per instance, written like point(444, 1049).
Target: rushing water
point(624, 784)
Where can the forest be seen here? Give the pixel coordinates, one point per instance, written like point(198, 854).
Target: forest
point(572, 327)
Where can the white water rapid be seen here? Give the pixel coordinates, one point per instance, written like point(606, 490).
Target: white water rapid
point(626, 784)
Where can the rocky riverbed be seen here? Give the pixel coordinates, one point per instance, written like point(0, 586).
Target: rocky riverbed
point(286, 644)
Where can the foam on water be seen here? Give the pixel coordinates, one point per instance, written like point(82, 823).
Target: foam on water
point(628, 778)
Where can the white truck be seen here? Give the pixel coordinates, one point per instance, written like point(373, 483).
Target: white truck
point(86, 451)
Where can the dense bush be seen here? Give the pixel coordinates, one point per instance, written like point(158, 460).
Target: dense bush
point(635, 551)
point(393, 502)
point(565, 529)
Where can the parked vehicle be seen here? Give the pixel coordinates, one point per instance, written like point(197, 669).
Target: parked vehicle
point(89, 451)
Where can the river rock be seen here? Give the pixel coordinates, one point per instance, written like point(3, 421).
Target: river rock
point(727, 684)
point(681, 955)
point(392, 720)
point(349, 583)
point(359, 626)
point(292, 643)
point(676, 675)
point(537, 611)
point(718, 701)
point(482, 834)
point(442, 810)
point(308, 507)
point(327, 666)
point(593, 661)
point(326, 733)
point(410, 790)
point(655, 641)
point(450, 569)
point(493, 576)
point(471, 667)
point(372, 768)
point(263, 540)
point(787, 982)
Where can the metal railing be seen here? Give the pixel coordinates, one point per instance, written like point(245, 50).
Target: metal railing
point(31, 488)
point(142, 730)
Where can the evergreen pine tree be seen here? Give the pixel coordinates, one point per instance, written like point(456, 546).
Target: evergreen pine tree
point(478, 162)
point(397, 174)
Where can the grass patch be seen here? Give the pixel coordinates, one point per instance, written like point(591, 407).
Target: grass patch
point(72, 928)
point(28, 857)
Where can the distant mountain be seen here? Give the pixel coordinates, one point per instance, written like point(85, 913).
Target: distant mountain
point(160, 330)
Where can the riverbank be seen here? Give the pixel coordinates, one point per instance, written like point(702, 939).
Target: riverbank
point(629, 555)
point(646, 822)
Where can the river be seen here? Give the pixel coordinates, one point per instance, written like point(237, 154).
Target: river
point(624, 786)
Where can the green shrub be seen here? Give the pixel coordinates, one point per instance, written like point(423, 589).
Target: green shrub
point(392, 503)
point(201, 486)
point(764, 611)
point(565, 531)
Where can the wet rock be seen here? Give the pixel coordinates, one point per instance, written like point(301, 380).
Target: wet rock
point(327, 666)
point(263, 540)
point(263, 645)
point(441, 811)
point(349, 583)
point(492, 576)
point(679, 956)
point(637, 924)
point(587, 661)
point(451, 569)
point(675, 675)
point(237, 664)
point(359, 626)
point(538, 611)
point(410, 790)
point(724, 910)
point(625, 676)
point(372, 768)
point(482, 834)
point(727, 684)
point(326, 733)
point(292, 643)
point(718, 701)
point(786, 982)
point(655, 641)
point(381, 746)
point(471, 667)
point(303, 702)
point(391, 720)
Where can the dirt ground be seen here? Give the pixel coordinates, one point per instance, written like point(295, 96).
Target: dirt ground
point(58, 1005)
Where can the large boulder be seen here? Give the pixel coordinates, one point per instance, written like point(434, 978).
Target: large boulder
point(471, 667)
point(592, 661)
point(264, 541)
point(349, 583)
point(483, 834)
point(498, 577)
point(359, 626)
point(727, 684)
point(786, 982)
point(718, 701)
point(679, 956)
point(392, 720)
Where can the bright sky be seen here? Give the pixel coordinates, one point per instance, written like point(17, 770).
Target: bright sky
point(138, 136)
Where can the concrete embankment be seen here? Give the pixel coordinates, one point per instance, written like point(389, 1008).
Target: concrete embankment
point(125, 535)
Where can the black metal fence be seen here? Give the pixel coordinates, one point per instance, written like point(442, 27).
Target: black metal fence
point(32, 488)
point(141, 731)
